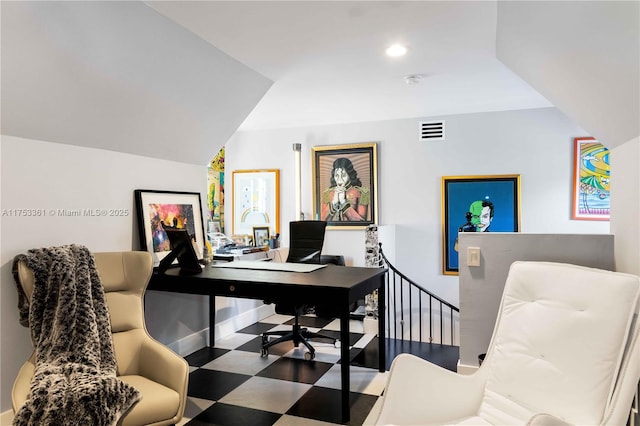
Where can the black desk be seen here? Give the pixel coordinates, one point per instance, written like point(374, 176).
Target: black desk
point(335, 286)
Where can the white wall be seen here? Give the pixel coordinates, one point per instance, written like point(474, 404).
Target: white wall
point(481, 287)
point(43, 175)
point(625, 205)
point(537, 144)
point(119, 76)
point(586, 61)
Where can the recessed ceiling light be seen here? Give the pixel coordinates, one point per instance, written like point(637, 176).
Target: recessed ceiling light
point(396, 50)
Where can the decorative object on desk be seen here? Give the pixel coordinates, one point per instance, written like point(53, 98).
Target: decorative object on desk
point(214, 226)
point(260, 236)
point(242, 240)
point(182, 250)
point(345, 183)
point(256, 200)
point(171, 208)
point(477, 204)
point(591, 173)
point(217, 240)
point(274, 242)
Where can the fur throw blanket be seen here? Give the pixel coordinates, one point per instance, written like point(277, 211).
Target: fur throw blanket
point(75, 379)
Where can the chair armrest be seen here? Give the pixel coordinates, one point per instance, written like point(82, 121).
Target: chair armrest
point(22, 384)
point(419, 392)
point(161, 365)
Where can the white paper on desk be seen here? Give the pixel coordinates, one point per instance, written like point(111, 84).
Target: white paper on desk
point(270, 266)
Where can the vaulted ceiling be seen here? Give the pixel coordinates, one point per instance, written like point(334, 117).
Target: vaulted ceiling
point(175, 79)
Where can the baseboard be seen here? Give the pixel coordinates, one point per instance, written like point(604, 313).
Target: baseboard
point(200, 339)
point(466, 369)
point(6, 418)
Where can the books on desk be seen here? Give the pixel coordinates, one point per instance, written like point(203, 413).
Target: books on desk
point(238, 250)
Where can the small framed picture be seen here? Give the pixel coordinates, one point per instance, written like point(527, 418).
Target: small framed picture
point(242, 239)
point(214, 226)
point(260, 236)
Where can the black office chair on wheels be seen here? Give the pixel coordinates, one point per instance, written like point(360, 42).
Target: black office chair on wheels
point(305, 245)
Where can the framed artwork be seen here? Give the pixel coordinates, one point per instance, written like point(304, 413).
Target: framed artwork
point(214, 226)
point(242, 240)
point(591, 173)
point(256, 200)
point(260, 236)
point(171, 208)
point(345, 184)
point(477, 204)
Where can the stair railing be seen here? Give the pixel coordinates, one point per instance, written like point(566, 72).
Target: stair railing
point(407, 312)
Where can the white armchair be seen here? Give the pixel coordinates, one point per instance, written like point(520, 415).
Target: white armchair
point(564, 350)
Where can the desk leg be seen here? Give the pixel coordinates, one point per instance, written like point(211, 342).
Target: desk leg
point(382, 341)
point(344, 364)
point(212, 320)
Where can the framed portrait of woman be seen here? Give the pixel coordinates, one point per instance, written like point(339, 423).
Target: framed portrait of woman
point(345, 184)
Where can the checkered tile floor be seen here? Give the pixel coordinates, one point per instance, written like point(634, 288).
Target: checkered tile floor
point(232, 385)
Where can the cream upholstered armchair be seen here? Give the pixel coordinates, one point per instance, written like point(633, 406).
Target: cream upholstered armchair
point(564, 350)
point(160, 375)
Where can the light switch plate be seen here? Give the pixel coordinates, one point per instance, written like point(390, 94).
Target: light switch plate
point(473, 256)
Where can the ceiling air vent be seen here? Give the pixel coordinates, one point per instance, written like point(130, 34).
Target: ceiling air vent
point(431, 130)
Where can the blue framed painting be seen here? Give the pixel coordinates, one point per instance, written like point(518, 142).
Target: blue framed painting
point(477, 204)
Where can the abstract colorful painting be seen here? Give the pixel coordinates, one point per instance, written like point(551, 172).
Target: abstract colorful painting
point(174, 215)
point(169, 208)
point(591, 174)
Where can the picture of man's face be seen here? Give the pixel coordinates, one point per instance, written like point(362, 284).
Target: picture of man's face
point(485, 219)
point(341, 177)
point(480, 216)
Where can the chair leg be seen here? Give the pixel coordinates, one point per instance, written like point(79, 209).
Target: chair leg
point(297, 335)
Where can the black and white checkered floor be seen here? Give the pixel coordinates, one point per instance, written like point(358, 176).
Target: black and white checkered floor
point(232, 385)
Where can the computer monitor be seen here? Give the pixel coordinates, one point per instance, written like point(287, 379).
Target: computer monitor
point(182, 250)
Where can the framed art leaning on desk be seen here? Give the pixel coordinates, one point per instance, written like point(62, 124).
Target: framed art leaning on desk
point(182, 210)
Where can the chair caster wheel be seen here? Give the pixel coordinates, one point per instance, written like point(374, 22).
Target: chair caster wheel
point(264, 353)
point(309, 355)
point(336, 344)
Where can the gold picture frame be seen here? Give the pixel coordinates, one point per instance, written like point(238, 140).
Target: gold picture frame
point(355, 204)
point(476, 204)
point(256, 200)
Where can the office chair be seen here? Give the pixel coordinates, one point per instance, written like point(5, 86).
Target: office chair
point(306, 239)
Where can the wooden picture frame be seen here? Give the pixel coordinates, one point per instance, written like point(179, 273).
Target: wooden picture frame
point(256, 200)
point(476, 204)
point(260, 236)
point(591, 176)
point(173, 208)
point(354, 206)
